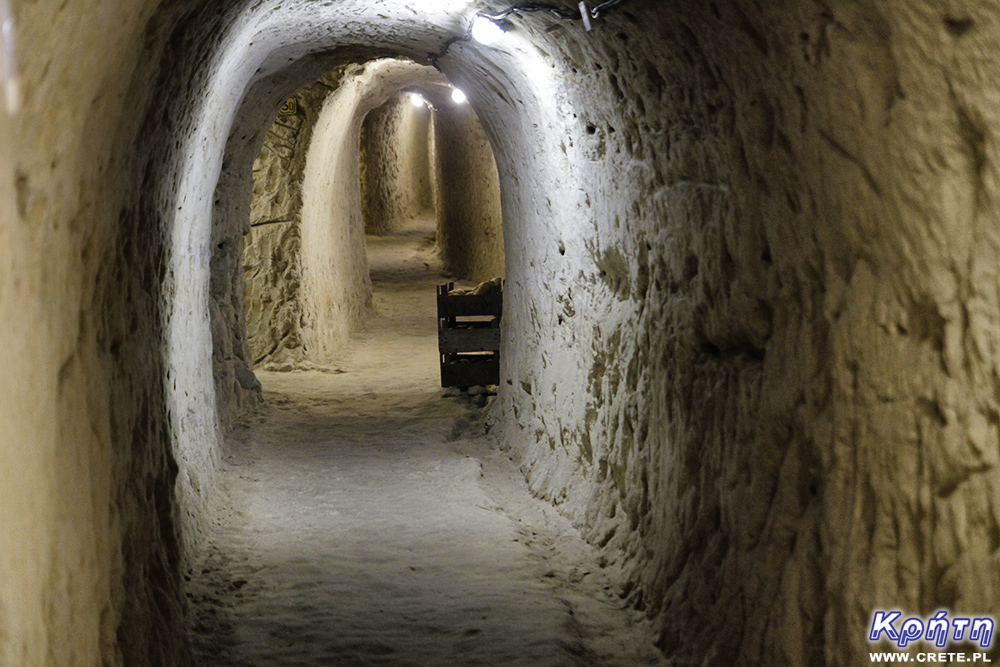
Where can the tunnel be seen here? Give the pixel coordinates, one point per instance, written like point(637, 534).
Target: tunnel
point(749, 370)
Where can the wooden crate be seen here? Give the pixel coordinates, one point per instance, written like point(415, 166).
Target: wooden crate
point(469, 337)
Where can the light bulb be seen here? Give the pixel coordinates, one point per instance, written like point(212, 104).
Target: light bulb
point(8, 68)
point(486, 31)
point(458, 97)
point(416, 100)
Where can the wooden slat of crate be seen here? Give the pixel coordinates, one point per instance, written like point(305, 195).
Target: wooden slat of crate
point(467, 305)
point(470, 373)
point(478, 339)
point(468, 337)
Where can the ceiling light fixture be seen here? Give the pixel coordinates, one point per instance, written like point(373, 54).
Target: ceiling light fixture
point(417, 100)
point(489, 28)
point(458, 97)
point(486, 31)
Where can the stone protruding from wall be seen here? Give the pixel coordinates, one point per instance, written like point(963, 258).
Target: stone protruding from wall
point(470, 223)
point(395, 163)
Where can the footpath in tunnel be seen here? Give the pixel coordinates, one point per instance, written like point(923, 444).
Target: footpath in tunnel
point(371, 521)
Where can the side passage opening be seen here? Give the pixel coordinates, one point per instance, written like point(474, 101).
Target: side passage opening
point(429, 183)
point(417, 205)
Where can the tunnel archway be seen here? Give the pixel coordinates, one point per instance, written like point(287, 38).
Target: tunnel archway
point(396, 161)
point(267, 78)
point(304, 264)
point(337, 286)
point(565, 241)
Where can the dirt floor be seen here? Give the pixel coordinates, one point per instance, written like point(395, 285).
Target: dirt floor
point(370, 520)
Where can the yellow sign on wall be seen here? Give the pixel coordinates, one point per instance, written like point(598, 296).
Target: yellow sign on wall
point(290, 108)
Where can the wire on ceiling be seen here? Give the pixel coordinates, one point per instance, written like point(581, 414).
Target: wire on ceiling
point(599, 11)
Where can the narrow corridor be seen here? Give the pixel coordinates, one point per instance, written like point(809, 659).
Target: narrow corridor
point(372, 522)
point(751, 332)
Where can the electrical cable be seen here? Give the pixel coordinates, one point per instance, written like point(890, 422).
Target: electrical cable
point(529, 7)
point(605, 7)
point(561, 13)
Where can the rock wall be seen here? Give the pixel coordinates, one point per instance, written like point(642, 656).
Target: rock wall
point(273, 304)
point(90, 563)
point(768, 385)
point(272, 268)
point(470, 224)
point(395, 165)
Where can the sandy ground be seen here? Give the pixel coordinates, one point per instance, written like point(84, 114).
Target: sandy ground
point(371, 521)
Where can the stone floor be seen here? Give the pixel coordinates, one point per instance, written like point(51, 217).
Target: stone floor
point(369, 520)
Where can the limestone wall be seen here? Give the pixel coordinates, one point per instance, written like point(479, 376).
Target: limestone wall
point(272, 268)
point(768, 385)
point(395, 164)
point(90, 567)
point(274, 308)
point(470, 225)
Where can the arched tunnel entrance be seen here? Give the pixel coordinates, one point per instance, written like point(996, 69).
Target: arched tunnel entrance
point(514, 102)
point(306, 278)
point(387, 523)
point(750, 308)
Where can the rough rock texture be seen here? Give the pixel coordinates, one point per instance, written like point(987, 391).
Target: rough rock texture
point(769, 382)
point(236, 387)
point(272, 265)
point(272, 269)
point(89, 562)
point(750, 319)
point(336, 287)
point(470, 224)
point(395, 164)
